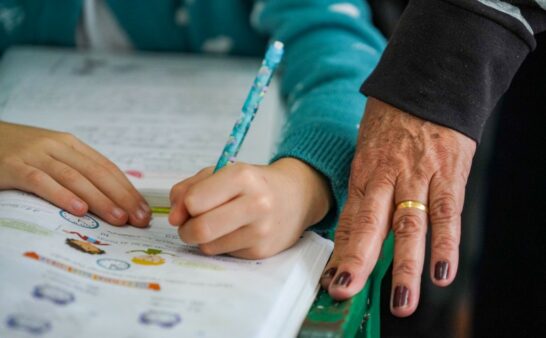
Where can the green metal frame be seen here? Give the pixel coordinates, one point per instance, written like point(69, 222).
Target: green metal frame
point(356, 317)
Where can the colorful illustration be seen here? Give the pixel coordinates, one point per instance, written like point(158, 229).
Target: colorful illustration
point(134, 173)
point(24, 226)
point(86, 221)
point(86, 238)
point(151, 257)
point(29, 323)
point(162, 319)
point(84, 246)
point(111, 264)
point(53, 294)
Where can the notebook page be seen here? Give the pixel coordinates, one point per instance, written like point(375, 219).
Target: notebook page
point(67, 276)
point(159, 118)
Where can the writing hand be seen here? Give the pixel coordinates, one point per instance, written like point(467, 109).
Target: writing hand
point(249, 211)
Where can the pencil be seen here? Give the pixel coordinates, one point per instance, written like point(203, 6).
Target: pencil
point(160, 210)
point(259, 87)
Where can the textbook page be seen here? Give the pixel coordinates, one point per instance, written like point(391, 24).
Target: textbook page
point(67, 276)
point(160, 118)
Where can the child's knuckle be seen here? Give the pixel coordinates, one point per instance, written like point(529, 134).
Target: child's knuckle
point(208, 249)
point(191, 201)
point(68, 137)
point(201, 232)
point(246, 173)
point(35, 178)
point(48, 143)
point(263, 204)
point(68, 175)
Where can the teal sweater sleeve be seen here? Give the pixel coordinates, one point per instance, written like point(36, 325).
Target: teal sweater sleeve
point(330, 48)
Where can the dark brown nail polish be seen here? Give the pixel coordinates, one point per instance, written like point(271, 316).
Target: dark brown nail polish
point(343, 279)
point(329, 273)
point(441, 269)
point(401, 296)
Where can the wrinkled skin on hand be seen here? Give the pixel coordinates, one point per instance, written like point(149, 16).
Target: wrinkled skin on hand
point(401, 157)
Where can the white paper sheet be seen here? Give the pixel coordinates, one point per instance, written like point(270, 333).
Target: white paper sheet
point(159, 118)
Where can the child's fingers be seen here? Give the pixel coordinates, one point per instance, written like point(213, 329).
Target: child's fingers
point(179, 214)
point(221, 187)
point(109, 165)
point(73, 180)
point(38, 182)
point(78, 166)
point(240, 240)
point(220, 221)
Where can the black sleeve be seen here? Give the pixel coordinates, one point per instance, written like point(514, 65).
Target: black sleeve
point(450, 61)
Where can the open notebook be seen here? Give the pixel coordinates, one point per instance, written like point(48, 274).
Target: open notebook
point(160, 118)
point(65, 276)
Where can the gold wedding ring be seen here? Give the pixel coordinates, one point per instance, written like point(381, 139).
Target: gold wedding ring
point(412, 204)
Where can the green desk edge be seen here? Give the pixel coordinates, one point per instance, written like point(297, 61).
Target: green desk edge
point(356, 317)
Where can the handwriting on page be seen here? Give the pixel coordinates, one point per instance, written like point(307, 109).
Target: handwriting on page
point(171, 118)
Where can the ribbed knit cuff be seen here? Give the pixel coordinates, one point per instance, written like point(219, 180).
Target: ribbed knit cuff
point(328, 151)
point(448, 65)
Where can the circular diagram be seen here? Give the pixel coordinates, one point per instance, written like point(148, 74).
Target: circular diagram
point(162, 319)
point(86, 221)
point(113, 264)
point(29, 323)
point(54, 294)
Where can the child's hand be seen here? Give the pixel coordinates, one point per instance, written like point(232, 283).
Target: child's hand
point(249, 211)
point(63, 170)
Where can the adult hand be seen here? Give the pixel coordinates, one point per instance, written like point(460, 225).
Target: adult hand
point(61, 169)
point(399, 158)
point(249, 211)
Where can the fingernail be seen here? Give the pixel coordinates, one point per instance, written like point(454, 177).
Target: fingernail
point(145, 207)
point(329, 273)
point(118, 213)
point(78, 205)
point(441, 269)
point(344, 279)
point(140, 214)
point(401, 296)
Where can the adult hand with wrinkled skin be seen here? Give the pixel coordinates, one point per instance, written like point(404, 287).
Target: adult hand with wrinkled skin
point(68, 173)
point(400, 157)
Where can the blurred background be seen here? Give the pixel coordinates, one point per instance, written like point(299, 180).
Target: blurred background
point(500, 289)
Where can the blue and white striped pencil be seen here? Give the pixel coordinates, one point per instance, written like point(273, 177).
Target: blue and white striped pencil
point(272, 59)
